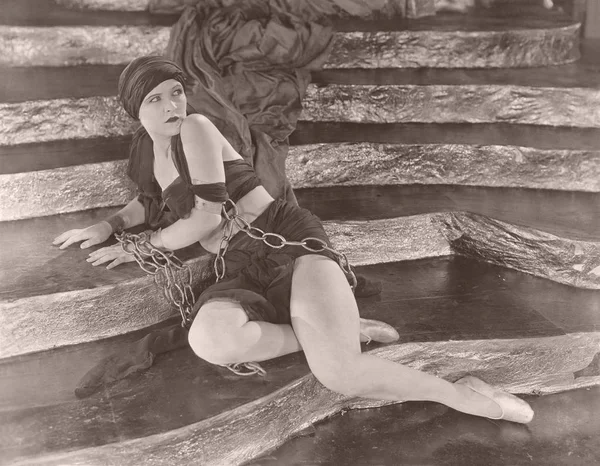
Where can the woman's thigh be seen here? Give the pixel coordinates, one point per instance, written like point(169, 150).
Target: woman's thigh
point(324, 313)
point(213, 333)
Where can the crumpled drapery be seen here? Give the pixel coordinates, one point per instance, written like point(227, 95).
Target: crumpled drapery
point(250, 68)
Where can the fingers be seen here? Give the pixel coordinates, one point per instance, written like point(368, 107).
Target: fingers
point(117, 261)
point(108, 254)
point(65, 236)
point(91, 242)
point(102, 255)
point(73, 239)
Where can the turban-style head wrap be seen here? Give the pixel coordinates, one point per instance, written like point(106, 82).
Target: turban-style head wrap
point(141, 76)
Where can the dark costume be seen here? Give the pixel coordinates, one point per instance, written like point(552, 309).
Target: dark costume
point(258, 276)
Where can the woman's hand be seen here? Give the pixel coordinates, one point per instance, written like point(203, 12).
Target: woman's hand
point(113, 253)
point(90, 236)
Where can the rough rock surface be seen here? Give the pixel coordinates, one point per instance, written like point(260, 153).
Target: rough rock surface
point(67, 46)
point(78, 45)
point(456, 49)
point(533, 365)
point(47, 321)
point(116, 5)
point(571, 262)
point(576, 107)
point(82, 187)
point(409, 8)
point(61, 190)
point(349, 164)
point(47, 120)
point(51, 120)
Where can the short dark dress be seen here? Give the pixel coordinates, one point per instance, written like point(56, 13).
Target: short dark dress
point(257, 276)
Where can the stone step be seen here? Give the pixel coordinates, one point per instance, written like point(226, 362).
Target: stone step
point(94, 184)
point(23, 84)
point(432, 434)
point(540, 38)
point(51, 297)
point(521, 333)
point(60, 13)
point(529, 97)
point(92, 117)
point(23, 158)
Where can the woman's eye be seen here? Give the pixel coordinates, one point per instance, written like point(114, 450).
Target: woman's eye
point(178, 91)
point(154, 99)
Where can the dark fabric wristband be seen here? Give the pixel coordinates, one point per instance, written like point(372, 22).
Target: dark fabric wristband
point(116, 222)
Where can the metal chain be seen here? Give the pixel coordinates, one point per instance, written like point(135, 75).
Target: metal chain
point(234, 218)
point(176, 287)
point(164, 266)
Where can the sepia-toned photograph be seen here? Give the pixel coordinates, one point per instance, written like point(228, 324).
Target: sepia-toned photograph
point(299, 232)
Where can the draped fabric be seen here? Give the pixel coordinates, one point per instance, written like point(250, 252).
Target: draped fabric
point(248, 70)
point(179, 195)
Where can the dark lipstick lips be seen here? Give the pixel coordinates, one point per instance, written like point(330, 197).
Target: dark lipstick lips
point(172, 119)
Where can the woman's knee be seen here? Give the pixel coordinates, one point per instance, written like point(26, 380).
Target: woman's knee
point(213, 334)
point(341, 376)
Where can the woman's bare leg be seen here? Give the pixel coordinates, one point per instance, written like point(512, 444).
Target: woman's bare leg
point(326, 326)
point(222, 334)
point(326, 322)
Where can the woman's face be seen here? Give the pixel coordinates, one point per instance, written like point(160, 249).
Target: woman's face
point(164, 108)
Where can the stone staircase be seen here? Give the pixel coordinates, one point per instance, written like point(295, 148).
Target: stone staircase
point(457, 154)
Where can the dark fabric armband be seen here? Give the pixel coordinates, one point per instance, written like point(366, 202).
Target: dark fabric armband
point(180, 196)
point(240, 178)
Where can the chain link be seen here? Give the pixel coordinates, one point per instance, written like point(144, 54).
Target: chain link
point(174, 277)
point(171, 275)
point(232, 216)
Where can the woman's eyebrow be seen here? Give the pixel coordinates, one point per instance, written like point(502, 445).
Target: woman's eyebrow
point(159, 93)
point(153, 95)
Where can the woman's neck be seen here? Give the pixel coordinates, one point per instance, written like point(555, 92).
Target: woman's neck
point(161, 146)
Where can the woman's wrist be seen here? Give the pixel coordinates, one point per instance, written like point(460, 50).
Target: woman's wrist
point(156, 239)
point(116, 222)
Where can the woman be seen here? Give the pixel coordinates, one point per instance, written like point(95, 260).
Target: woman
point(269, 302)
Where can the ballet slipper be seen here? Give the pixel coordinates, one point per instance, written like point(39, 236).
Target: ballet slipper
point(513, 408)
point(375, 330)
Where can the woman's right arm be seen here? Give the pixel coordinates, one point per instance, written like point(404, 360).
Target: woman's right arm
point(131, 215)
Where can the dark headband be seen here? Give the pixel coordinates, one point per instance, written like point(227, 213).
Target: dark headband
point(141, 76)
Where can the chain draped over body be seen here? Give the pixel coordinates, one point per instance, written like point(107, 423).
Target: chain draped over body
point(175, 277)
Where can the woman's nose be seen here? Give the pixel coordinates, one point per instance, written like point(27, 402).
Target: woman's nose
point(171, 105)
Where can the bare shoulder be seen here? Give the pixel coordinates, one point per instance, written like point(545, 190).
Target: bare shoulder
point(197, 124)
point(203, 148)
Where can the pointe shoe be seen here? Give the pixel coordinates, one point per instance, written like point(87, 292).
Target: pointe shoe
point(375, 330)
point(513, 408)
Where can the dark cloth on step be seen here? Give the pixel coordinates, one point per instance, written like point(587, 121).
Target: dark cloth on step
point(137, 357)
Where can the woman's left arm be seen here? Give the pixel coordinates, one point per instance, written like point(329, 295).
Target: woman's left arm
point(203, 147)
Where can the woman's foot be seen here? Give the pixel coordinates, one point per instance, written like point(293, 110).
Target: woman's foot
point(375, 330)
point(511, 408)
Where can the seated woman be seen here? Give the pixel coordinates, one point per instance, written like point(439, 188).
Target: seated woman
point(269, 301)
